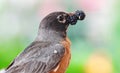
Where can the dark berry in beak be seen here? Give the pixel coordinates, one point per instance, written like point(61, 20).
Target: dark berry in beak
point(80, 15)
point(73, 17)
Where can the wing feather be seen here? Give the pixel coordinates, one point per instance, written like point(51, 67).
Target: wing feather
point(39, 57)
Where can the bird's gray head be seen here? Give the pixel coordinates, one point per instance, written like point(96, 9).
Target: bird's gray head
point(59, 21)
point(53, 27)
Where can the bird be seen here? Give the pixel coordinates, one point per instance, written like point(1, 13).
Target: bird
point(50, 51)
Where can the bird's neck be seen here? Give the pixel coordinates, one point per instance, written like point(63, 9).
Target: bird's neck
point(50, 35)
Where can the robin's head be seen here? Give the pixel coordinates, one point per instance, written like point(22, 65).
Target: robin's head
point(59, 21)
point(53, 27)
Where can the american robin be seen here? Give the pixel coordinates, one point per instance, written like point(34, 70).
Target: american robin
point(50, 51)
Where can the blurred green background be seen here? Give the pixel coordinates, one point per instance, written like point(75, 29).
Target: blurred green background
point(96, 39)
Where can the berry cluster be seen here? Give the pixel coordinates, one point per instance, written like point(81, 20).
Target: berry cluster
point(72, 19)
point(79, 15)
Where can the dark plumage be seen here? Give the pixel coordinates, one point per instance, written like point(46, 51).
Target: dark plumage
point(50, 51)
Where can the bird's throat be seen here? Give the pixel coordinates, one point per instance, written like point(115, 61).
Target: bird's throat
point(50, 35)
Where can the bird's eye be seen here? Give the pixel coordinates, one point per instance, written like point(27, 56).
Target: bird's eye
point(61, 18)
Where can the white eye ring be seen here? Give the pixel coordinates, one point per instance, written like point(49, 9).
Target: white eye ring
point(61, 18)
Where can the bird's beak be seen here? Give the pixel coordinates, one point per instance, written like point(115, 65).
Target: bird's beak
point(71, 14)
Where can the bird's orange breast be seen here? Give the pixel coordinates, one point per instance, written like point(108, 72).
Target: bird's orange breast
point(63, 65)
